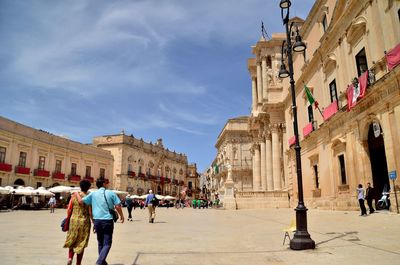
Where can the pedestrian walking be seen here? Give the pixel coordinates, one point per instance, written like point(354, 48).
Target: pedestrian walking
point(360, 196)
point(102, 201)
point(129, 207)
point(52, 203)
point(369, 196)
point(79, 224)
point(151, 204)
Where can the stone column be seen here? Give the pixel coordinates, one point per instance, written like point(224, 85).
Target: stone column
point(387, 126)
point(259, 83)
point(264, 77)
point(270, 180)
point(254, 93)
point(257, 169)
point(263, 166)
point(276, 157)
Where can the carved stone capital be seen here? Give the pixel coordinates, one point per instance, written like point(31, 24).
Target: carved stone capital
point(275, 127)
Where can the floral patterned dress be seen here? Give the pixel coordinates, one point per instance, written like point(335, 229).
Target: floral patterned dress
point(79, 228)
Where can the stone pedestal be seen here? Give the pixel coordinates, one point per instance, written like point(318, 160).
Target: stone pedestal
point(229, 198)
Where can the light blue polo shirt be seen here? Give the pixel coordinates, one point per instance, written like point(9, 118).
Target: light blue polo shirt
point(98, 202)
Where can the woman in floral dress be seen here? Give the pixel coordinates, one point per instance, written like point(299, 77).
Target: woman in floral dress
point(79, 225)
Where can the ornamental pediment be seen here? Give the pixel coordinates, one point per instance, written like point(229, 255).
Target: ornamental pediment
point(356, 30)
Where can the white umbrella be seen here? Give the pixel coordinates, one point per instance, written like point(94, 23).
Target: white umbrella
point(120, 192)
point(21, 191)
point(160, 197)
point(134, 196)
point(4, 190)
point(169, 198)
point(63, 189)
point(42, 192)
point(143, 197)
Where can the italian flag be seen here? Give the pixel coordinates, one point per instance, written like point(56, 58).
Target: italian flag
point(310, 97)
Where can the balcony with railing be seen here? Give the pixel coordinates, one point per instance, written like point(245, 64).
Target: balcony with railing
point(89, 178)
point(330, 110)
point(292, 141)
point(22, 170)
point(5, 167)
point(58, 175)
point(74, 178)
point(131, 174)
point(41, 173)
point(309, 128)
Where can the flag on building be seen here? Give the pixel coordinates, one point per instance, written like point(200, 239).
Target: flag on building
point(393, 57)
point(310, 97)
point(216, 170)
point(350, 94)
point(363, 83)
point(357, 90)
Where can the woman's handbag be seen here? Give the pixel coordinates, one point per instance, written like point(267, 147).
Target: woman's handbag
point(112, 211)
point(65, 221)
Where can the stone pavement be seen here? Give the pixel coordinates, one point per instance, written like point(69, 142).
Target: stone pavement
point(209, 236)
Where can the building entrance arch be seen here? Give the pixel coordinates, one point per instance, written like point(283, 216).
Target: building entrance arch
point(376, 147)
point(19, 182)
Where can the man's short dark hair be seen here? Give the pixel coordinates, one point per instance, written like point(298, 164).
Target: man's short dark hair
point(100, 182)
point(85, 185)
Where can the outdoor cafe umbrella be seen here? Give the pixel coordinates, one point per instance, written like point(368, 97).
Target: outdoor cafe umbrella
point(160, 197)
point(22, 191)
point(169, 198)
point(41, 191)
point(63, 189)
point(143, 197)
point(134, 196)
point(4, 191)
point(120, 192)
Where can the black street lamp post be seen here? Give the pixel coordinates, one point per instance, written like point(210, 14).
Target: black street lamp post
point(301, 239)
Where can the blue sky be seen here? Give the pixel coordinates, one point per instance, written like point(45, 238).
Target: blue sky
point(175, 70)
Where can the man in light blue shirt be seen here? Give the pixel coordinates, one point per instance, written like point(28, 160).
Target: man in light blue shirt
point(102, 201)
point(151, 205)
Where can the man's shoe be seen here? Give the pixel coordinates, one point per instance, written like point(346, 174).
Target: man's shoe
point(152, 220)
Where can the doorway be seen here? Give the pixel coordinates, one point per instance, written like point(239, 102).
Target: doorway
point(377, 155)
point(19, 182)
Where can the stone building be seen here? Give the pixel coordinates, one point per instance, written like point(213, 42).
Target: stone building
point(233, 148)
point(348, 67)
point(140, 166)
point(31, 157)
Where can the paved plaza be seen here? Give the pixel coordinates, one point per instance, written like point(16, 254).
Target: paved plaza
point(209, 236)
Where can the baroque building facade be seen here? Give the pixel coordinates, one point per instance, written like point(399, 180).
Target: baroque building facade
point(350, 69)
point(233, 148)
point(140, 166)
point(352, 137)
point(31, 157)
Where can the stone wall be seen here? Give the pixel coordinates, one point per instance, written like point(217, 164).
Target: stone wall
point(262, 199)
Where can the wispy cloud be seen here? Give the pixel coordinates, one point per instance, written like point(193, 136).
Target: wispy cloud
point(84, 68)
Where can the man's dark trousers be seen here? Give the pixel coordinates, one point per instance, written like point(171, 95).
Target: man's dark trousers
point(104, 231)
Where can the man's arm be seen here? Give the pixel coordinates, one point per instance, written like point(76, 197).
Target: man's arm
point(121, 214)
point(87, 199)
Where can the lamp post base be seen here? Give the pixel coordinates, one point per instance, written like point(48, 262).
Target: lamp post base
point(301, 239)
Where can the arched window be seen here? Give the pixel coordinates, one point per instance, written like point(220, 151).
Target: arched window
point(19, 182)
